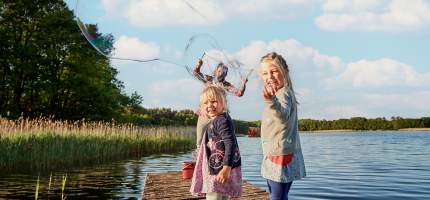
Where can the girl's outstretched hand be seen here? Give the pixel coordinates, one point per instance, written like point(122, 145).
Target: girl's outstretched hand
point(268, 92)
point(224, 175)
point(199, 62)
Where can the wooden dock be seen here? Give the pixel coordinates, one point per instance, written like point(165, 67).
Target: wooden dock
point(170, 185)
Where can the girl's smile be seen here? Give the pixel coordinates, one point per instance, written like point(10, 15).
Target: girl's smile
point(213, 108)
point(272, 76)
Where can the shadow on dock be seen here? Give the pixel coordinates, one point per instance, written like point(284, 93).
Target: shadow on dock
point(170, 185)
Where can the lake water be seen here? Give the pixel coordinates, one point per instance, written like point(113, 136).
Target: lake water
point(355, 165)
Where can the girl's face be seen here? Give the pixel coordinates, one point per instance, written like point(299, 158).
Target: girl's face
point(213, 108)
point(218, 71)
point(272, 76)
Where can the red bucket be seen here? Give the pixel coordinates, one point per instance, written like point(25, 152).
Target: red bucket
point(187, 170)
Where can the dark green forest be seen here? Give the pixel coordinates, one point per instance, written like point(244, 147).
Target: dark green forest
point(47, 68)
point(355, 123)
point(361, 123)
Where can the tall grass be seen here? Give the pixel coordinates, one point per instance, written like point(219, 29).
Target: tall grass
point(43, 144)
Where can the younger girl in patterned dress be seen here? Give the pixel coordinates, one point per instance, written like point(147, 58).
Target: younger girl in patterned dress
point(218, 172)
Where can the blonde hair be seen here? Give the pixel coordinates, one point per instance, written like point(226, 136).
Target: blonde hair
point(214, 93)
point(277, 60)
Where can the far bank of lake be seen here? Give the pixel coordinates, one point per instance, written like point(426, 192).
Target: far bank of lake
point(350, 130)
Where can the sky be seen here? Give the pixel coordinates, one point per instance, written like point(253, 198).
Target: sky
point(347, 58)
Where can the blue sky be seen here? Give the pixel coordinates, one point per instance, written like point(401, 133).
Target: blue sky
point(347, 57)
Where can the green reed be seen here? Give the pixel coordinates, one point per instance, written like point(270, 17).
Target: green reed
point(63, 185)
point(43, 143)
point(46, 192)
point(36, 195)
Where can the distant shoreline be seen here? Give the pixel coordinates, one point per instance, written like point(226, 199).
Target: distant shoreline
point(330, 131)
point(414, 129)
point(350, 130)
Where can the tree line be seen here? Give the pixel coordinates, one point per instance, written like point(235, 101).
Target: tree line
point(361, 123)
point(354, 123)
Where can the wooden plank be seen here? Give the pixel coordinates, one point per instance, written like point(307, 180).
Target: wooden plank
point(170, 185)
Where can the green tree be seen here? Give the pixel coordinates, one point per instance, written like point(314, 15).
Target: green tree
point(48, 68)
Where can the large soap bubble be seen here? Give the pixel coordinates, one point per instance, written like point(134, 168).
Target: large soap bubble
point(88, 14)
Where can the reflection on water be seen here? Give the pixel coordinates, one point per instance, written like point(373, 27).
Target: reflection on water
point(359, 165)
point(119, 180)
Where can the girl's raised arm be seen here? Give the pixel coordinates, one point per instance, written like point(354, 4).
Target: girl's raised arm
point(237, 92)
point(281, 104)
point(198, 74)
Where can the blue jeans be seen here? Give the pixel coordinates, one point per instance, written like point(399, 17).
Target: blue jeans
point(278, 191)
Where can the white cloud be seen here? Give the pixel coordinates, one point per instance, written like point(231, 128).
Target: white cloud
point(378, 73)
point(250, 105)
point(271, 9)
point(136, 74)
point(353, 6)
point(134, 48)
point(176, 94)
point(173, 12)
point(369, 15)
point(150, 13)
point(110, 5)
point(301, 58)
point(406, 104)
point(313, 70)
point(417, 101)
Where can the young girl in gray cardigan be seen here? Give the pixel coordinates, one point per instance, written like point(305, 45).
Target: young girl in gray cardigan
point(283, 160)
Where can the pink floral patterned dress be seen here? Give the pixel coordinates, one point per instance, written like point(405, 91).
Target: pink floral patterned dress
point(203, 182)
